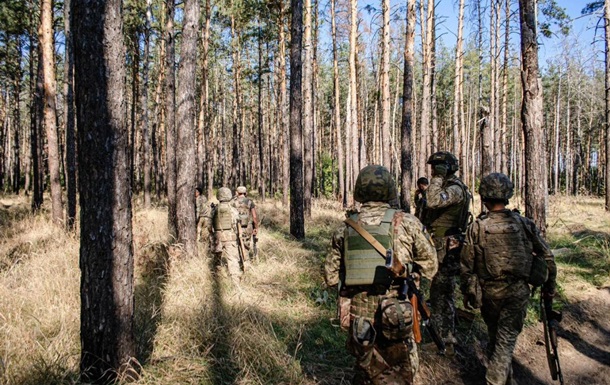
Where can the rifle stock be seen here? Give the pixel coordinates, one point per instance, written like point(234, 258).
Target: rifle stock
point(242, 249)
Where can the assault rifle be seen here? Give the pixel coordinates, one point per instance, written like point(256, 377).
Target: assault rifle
point(418, 302)
point(550, 320)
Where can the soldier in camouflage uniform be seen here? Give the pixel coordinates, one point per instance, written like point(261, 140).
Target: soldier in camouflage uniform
point(247, 215)
point(225, 220)
point(496, 262)
point(420, 196)
point(384, 347)
point(445, 216)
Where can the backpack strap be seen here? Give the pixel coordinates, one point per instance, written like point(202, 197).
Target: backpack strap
point(367, 236)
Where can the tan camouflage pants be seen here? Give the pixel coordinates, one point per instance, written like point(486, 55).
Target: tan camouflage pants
point(504, 320)
point(442, 298)
point(398, 366)
point(229, 257)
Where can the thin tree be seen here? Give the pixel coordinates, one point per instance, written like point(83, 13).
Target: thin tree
point(106, 248)
point(69, 118)
point(170, 120)
point(458, 89)
point(307, 109)
point(337, 104)
point(282, 103)
point(45, 37)
point(297, 218)
point(186, 158)
point(536, 192)
point(144, 100)
point(607, 96)
point(352, 101)
point(385, 87)
point(406, 140)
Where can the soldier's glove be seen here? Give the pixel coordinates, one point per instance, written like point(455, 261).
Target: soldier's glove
point(441, 169)
point(547, 293)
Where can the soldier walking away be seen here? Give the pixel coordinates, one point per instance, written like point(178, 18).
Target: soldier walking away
point(497, 262)
point(225, 220)
point(372, 306)
point(446, 217)
point(247, 216)
point(203, 216)
point(420, 196)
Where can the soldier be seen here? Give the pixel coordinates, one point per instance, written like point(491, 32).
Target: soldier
point(420, 196)
point(378, 319)
point(446, 217)
point(225, 220)
point(496, 263)
point(247, 215)
point(203, 215)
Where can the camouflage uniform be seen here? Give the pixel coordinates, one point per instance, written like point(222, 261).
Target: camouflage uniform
point(203, 217)
point(380, 360)
point(245, 206)
point(419, 201)
point(225, 219)
point(445, 216)
point(496, 262)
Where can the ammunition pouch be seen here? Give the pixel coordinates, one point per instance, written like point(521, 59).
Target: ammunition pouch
point(362, 346)
point(396, 319)
point(343, 313)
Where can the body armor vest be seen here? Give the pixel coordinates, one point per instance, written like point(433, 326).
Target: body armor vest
point(507, 251)
point(223, 219)
point(242, 204)
point(363, 264)
point(455, 218)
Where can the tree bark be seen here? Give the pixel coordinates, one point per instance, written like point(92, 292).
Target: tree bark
point(307, 110)
point(106, 248)
point(458, 90)
point(406, 141)
point(337, 105)
point(45, 37)
point(607, 96)
point(69, 118)
point(536, 192)
point(170, 120)
point(385, 88)
point(145, 121)
point(297, 218)
point(282, 105)
point(187, 156)
point(353, 90)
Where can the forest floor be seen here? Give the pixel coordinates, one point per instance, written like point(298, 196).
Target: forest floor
point(193, 327)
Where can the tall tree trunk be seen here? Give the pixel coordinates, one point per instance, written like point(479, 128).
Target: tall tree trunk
point(36, 113)
point(106, 260)
point(458, 90)
point(170, 120)
point(45, 37)
point(187, 156)
point(353, 91)
point(17, 119)
point(385, 88)
point(504, 115)
point(297, 218)
point(307, 110)
point(607, 96)
point(144, 96)
point(69, 118)
point(284, 128)
point(406, 162)
point(424, 145)
point(536, 192)
point(337, 105)
point(556, 144)
point(432, 68)
point(261, 150)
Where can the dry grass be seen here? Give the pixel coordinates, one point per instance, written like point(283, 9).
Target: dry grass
point(192, 326)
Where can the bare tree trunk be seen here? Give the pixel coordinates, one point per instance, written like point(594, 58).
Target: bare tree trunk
point(432, 68)
point(386, 158)
point(504, 115)
point(36, 113)
point(536, 193)
point(144, 96)
point(69, 118)
point(16, 171)
point(424, 145)
point(406, 138)
point(353, 90)
point(307, 109)
point(337, 104)
point(261, 150)
point(297, 219)
point(458, 90)
point(187, 156)
point(106, 260)
point(607, 95)
point(556, 145)
point(45, 36)
point(170, 120)
point(284, 128)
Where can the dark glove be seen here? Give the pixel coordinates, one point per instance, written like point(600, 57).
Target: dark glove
point(441, 169)
point(547, 293)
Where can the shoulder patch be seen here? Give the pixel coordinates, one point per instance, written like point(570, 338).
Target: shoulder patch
point(444, 196)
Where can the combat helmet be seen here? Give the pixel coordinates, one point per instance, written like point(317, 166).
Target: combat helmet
point(444, 157)
point(496, 186)
point(224, 194)
point(241, 190)
point(374, 183)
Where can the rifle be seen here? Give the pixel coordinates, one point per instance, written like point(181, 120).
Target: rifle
point(417, 300)
point(242, 249)
point(550, 320)
point(254, 247)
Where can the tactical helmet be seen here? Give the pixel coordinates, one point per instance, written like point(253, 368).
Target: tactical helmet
point(444, 157)
point(224, 194)
point(241, 190)
point(374, 183)
point(496, 186)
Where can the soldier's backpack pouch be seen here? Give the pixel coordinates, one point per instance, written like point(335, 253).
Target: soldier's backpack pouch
point(396, 318)
point(362, 346)
point(539, 273)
